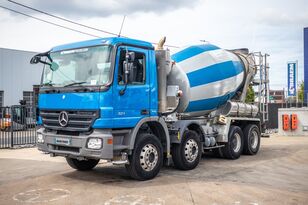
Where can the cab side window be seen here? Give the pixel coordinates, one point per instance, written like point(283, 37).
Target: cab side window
point(137, 72)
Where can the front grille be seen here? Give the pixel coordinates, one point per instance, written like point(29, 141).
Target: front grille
point(67, 149)
point(77, 120)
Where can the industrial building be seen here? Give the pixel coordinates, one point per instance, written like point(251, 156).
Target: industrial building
point(277, 96)
point(18, 78)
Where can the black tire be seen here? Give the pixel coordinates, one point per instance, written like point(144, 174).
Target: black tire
point(142, 163)
point(82, 165)
point(180, 158)
point(251, 139)
point(234, 148)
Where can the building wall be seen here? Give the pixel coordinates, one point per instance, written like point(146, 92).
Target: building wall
point(277, 96)
point(306, 64)
point(302, 116)
point(17, 74)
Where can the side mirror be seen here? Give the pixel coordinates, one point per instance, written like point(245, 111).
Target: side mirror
point(54, 66)
point(127, 65)
point(38, 59)
point(35, 59)
point(125, 72)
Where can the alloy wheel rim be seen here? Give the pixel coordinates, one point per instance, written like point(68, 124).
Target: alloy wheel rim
point(191, 150)
point(148, 157)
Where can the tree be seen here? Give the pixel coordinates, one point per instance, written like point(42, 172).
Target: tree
point(250, 95)
point(300, 92)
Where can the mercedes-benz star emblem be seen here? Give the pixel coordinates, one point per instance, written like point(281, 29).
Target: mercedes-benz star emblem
point(63, 118)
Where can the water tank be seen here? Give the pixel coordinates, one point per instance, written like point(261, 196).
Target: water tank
point(208, 76)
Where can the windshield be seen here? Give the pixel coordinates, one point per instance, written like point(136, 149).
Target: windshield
point(86, 66)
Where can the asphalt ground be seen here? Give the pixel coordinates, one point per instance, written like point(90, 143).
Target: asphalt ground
point(278, 174)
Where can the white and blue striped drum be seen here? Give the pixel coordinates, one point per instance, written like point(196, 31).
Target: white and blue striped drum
point(208, 76)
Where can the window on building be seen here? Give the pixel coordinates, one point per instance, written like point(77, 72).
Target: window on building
point(137, 73)
point(1, 98)
point(28, 97)
point(36, 90)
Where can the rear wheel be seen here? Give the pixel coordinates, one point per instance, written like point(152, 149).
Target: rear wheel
point(147, 158)
point(187, 154)
point(251, 139)
point(82, 165)
point(234, 148)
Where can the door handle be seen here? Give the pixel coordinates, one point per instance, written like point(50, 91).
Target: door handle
point(144, 112)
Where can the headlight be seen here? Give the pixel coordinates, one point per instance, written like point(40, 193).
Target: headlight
point(40, 138)
point(95, 143)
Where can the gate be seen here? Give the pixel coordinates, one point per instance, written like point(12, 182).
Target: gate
point(17, 126)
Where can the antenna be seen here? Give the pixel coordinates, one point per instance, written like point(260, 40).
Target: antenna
point(122, 26)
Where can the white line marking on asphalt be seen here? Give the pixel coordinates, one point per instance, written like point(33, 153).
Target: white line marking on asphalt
point(41, 195)
point(134, 200)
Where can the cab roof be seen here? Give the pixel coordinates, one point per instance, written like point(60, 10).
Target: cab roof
point(103, 41)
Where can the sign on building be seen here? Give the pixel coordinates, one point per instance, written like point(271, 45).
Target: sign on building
point(292, 69)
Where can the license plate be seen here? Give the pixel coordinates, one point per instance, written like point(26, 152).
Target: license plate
point(63, 141)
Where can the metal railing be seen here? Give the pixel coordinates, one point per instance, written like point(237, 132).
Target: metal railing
point(17, 126)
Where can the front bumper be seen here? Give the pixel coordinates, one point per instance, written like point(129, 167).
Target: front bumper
point(77, 147)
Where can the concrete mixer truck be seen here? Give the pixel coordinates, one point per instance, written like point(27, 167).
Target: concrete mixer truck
point(124, 101)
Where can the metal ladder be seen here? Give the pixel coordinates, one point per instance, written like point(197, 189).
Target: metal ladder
point(261, 81)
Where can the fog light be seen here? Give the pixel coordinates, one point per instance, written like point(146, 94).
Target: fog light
point(40, 138)
point(95, 143)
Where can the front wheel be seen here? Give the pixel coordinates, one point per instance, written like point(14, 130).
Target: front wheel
point(147, 158)
point(234, 148)
point(187, 154)
point(82, 165)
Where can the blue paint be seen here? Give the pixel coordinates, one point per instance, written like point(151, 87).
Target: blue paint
point(292, 69)
point(208, 104)
point(192, 51)
point(39, 120)
point(128, 107)
point(214, 73)
point(306, 65)
point(82, 101)
point(153, 83)
point(72, 101)
point(116, 111)
point(102, 41)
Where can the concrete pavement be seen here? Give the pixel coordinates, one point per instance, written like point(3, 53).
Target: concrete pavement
point(277, 175)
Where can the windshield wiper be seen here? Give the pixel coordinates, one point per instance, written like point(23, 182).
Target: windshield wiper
point(48, 84)
point(74, 83)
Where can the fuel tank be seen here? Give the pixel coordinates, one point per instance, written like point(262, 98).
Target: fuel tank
point(208, 77)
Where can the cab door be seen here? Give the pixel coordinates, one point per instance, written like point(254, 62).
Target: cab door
point(132, 101)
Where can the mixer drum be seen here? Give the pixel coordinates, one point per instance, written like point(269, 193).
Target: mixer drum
point(208, 76)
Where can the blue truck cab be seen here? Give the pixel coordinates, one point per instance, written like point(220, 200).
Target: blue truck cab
point(86, 110)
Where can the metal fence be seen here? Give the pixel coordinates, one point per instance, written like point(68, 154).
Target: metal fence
point(272, 122)
point(17, 126)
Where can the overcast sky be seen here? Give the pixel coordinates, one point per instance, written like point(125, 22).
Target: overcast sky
point(271, 26)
